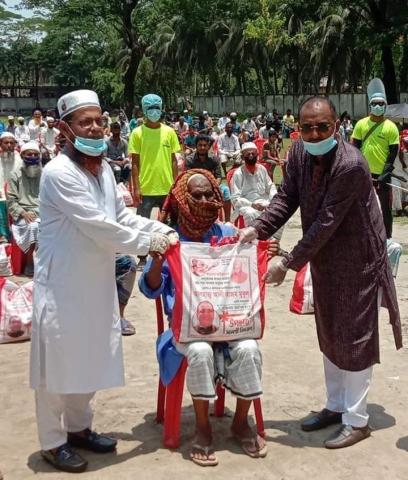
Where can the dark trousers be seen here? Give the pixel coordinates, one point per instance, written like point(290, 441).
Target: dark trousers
point(385, 197)
point(148, 203)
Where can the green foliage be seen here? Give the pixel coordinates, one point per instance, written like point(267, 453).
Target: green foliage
point(125, 48)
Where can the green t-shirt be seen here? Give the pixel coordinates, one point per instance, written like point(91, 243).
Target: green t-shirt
point(376, 148)
point(155, 147)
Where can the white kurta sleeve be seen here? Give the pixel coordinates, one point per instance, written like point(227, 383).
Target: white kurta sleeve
point(70, 196)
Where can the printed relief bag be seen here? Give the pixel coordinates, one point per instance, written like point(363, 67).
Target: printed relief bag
point(16, 310)
point(302, 292)
point(219, 291)
point(126, 195)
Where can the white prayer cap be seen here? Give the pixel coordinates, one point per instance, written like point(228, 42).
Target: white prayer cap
point(205, 112)
point(31, 145)
point(10, 117)
point(185, 111)
point(7, 135)
point(233, 114)
point(248, 146)
point(73, 101)
point(20, 119)
point(50, 119)
point(106, 114)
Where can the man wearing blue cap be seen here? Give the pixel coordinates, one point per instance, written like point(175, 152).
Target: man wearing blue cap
point(153, 147)
point(378, 140)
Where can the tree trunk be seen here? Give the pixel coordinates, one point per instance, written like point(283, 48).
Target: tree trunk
point(389, 76)
point(403, 80)
point(129, 83)
point(329, 81)
point(260, 82)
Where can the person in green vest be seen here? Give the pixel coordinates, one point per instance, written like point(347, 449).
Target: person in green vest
point(378, 140)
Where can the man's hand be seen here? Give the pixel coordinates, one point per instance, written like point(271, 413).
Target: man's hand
point(384, 178)
point(159, 243)
point(246, 235)
point(137, 197)
point(273, 248)
point(276, 274)
point(173, 237)
point(258, 206)
point(29, 216)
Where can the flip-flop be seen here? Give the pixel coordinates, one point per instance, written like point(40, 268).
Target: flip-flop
point(251, 446)
point(207, 450)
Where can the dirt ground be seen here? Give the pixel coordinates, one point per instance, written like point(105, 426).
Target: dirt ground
point(293, 385)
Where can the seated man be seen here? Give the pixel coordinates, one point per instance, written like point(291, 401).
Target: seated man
point(202, 159)
point(228, 147)
point(125, 271)
point(9, 161)
point(117, 154)
point(48, 136)
point(271, 151)
point(23, 202)
point(251, 187)
point(189, 139)
point(192, 208)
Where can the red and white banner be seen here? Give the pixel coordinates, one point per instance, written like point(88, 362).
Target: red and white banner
point(219, 291)
point(302, 292)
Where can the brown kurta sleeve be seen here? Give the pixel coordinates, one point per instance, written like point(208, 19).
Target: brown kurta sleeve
point(342, 192)
point(283, 205)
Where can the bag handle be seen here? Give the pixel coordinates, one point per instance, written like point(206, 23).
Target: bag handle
point(372, 130)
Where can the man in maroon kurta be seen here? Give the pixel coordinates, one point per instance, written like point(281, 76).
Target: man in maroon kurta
point(345, 242)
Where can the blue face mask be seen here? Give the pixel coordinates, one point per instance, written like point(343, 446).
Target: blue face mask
point(377, 110)
point(94, 147)
point(154, 115)
point(320, 148)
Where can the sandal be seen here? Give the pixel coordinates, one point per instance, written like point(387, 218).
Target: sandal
point(206, 450)
point(252, 447)
point(127, 328)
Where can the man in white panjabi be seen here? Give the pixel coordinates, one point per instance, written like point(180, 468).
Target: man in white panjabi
point(48, 135)
point(76, 344)
point(9, 161)
point(251, 187)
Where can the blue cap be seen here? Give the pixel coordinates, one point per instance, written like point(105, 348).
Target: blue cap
point(150, 100)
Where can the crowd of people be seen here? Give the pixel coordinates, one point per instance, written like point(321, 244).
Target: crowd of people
point(208, 178)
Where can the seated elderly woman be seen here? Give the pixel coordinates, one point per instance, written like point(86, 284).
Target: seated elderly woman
point(192, 207)
point(23, 201)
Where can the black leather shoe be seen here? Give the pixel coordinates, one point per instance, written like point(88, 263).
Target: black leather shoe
point(92, 441)
point(65, 459)
point(321, 419)
point(347, 436)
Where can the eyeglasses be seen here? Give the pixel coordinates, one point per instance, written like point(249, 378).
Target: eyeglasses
point(322, 127)
point(89, 122)
point(377, 103)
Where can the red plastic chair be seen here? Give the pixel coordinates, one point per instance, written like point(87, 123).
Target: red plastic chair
point(170, 398)
point(17, 256)
point(260, 142)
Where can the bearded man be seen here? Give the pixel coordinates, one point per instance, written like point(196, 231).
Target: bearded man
point(9, 160)
point(76, 344)
point(192, 209)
